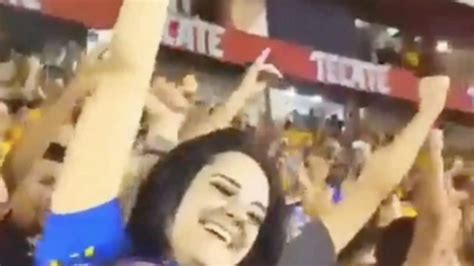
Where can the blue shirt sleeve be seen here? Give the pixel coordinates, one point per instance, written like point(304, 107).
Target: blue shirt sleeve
point(92, 237)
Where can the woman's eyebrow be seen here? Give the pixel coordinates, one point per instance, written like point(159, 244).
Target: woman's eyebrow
point(260, 206)
point(228, 179)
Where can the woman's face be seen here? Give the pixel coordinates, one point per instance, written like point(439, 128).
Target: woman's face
point(32, 199)
point(220, 214)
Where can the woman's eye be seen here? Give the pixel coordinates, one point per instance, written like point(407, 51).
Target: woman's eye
point(256, 219)
point(222, 189)
point(47, 181)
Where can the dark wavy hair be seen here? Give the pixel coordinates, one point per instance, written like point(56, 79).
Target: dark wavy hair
point(161, 194)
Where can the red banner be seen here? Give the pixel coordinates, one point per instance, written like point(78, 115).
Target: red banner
point(237, 47)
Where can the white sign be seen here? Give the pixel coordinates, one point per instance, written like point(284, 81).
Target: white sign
point(194, 35)
point(351, 73)
point(466, 2)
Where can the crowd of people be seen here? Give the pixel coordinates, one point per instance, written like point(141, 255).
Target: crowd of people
point(103, 167)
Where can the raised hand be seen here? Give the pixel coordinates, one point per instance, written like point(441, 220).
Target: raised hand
point(96, 161)
point(189, 87)
point(433, 93)
point(175, 97)
point(123, 80)
point(222, 115)
point(318, 168)
point(456, 169)
point(250, 81)
point(438, 206)
point(392, 162)
point(167, 105)
point(317, 198)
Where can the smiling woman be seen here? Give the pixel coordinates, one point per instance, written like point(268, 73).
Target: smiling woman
point(215, 190)
point(223, 210)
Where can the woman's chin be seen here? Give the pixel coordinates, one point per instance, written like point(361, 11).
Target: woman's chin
point(213, 252)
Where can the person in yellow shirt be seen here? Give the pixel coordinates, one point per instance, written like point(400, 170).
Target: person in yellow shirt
point(15, 133)
point(5, 148)
point(296, 139)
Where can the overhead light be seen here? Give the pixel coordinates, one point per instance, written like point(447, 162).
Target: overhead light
point(470, 91)
point(443, 47)
point(418, 39)
point(316, 99)
point(392, 31)
point(466, 2)
point(359, 23)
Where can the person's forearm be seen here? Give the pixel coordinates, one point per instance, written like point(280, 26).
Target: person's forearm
point(383, 171)
point(39, 134)
point(220, 117)
point(318, 196)
point(395, 160)
point(318, 174)
point(163, 125)
point(434, 203)
point(249, 86)
point(425, 245)
point(97, 157)
point(429, 222)
point(434, 239)
point(136, 35)
point(31, 82)
point(318, 203)
point(163, 132)
point(223, 115)
point(154, 106)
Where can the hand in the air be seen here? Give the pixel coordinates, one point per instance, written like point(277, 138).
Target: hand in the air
point(317, 198)
point(433, 185)
point(250, 81)
point(318, 169)
point(433, 92)
point(167, 105)
point(175, 97)
point(436, 198)
point(457, 168)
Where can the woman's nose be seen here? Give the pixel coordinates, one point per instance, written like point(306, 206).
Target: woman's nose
point(236, 211)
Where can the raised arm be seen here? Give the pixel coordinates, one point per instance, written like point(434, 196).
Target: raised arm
point(429, 202)
point(167, 105)
point(248, 88)
point(317, 199)
point(437, 204)
point(39, 133)
point(386, 167)
point(97, 157)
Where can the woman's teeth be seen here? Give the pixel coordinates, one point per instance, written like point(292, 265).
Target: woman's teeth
point(219, 232)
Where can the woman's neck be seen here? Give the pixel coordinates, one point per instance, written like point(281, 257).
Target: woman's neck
point(182, 260)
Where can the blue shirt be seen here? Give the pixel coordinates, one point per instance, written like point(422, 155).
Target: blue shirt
point(97, 237)
point(92, 237)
